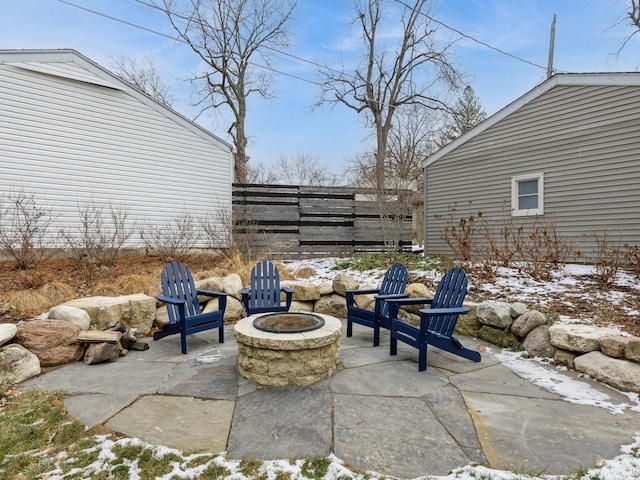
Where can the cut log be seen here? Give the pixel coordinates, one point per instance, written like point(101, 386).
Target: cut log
point(97, 336)
point(101, 352)
point(140, 346)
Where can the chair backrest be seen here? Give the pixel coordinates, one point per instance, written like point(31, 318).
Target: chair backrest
point(177, 282)
point(450, 293)
point(394, 282)
point(264, 285)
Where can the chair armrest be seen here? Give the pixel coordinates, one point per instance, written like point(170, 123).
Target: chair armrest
point(286, 289)
point(444, 311)
point(211, 293)
point(245, 291)
point(392, 297)
point(171, 300)
point(410, 301)
point(364, 291)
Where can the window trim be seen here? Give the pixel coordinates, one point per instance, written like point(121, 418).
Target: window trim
point(515, 181)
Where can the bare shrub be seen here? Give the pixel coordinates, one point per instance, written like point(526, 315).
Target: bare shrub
point(101, 234)
point(607, 259)
point(541, 248)
point(24, 228)
point(459, 233)
point(632, 258)
point(393, 207)
point(173, 239)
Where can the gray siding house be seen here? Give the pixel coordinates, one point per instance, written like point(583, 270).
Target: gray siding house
point(567, 151)
point(73, 134)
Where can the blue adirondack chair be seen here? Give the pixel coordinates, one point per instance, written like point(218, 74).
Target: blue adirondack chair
point(393, 284)
point(185, 315)
point(436, 323)
point(264, 293)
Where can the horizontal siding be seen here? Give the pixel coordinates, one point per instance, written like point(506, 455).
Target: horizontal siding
point(586, 141)
point(71, 142)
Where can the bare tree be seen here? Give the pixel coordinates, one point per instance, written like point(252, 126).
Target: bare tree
point(228, 35)
point(258, 173)
point(143, 74)
point(302, 169)
point(390, 76)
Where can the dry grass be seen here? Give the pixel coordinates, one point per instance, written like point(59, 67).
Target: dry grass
point(136, 283)
point(28, 302)
point(57, 292)
point(104, 290)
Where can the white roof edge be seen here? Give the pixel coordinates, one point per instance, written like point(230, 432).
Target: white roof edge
point(595, 79)
point(71, 55)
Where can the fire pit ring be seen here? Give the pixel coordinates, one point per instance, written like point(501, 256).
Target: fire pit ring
point(281, 359)
point(288, 322)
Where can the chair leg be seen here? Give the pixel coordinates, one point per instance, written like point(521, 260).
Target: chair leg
point(393, 346)
point(376, 335)
point(422, 357)
point(349, 328)
point(221, 334)
point(183, 342)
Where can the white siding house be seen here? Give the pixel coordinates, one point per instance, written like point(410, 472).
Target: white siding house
point(74, 134)
point(568, 150)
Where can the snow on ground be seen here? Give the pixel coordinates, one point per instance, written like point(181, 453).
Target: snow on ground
point(625, 466)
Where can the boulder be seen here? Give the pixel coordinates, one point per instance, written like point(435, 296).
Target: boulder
point(526, 322)
point(632, 349)
point(468, 324)
point(333, 305)
point(614, 345)
point(342, 282)
point(365, 300)
point(538, 342)
point(135, 311)
point(7, 332)
point(74, 315)
point(417, 290)
point(325, 288)
point(564, 357)
point(233, 312)
point(302, 291)
point(621, 374)
point(212, 284)
point(232, 284)
point(17, 364)
point(52, 341)
point(518, 309)
point(305, 272)
point(495, 314)
point(500, 337)
point(577, 337)
point(297, 306)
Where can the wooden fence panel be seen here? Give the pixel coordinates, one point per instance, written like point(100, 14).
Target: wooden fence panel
point(302, 221)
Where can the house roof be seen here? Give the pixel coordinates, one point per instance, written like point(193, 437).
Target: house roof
point(68, 63)
point(559, 79)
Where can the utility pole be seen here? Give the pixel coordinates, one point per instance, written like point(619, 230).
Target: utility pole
point(552, 41)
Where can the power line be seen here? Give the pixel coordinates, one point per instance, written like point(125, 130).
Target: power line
point(473, 39)
point(178, 39)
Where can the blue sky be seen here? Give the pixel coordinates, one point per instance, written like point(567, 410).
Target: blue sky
point(588, 35)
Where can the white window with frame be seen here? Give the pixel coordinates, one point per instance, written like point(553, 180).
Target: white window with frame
point(527, 195)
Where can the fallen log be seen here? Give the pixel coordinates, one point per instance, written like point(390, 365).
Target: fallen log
point(101, 352)
point(99, 336)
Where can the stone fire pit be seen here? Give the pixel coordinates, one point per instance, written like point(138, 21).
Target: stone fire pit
point(299, 348)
